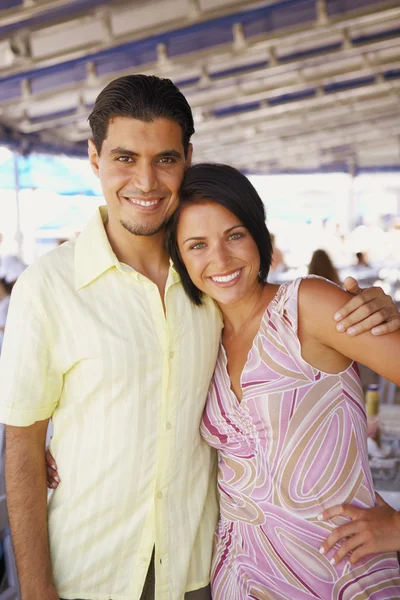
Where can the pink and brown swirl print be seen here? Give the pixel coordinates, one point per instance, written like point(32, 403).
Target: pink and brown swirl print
point(294, 445)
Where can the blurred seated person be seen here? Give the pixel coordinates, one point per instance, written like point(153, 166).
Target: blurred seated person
point(11, 268)
point(278, 263)
point(362, 260)
point(322, 265)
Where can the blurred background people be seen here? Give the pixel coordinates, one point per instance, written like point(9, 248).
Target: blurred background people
point(362, 260)
point(278, 262)
point(11, 268)
point(322, 265)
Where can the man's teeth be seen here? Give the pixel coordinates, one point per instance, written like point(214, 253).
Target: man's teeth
point(144, 202)
point(226, 278)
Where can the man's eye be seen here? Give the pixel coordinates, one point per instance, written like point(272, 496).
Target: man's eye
point(166, 160)
point(124, 159)
point(198, 246)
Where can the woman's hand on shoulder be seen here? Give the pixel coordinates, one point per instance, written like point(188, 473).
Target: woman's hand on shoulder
point(370, 530)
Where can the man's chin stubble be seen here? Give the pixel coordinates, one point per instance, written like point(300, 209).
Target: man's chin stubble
point(142, 230)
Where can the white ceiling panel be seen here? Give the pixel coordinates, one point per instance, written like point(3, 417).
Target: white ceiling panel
point(76, 33)
point(133, 19)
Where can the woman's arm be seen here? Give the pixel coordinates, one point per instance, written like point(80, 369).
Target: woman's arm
point(319, 301)
point(375, 529)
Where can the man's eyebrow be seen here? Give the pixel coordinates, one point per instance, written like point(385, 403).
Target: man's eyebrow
point(125, 151)
point(191, 239)
point(172, 153)
point(165, 153)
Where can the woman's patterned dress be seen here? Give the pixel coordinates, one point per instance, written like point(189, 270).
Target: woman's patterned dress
point(294, 446)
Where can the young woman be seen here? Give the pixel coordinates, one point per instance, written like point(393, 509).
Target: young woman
point(285, 408)
point(322, 265)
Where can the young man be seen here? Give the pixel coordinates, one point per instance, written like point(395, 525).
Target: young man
point(110, 348)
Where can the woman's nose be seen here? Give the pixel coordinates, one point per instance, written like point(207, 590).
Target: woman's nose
point(221, 257)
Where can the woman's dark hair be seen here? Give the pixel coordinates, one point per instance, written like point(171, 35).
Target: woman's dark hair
point(142, 97)
point(226, 186)
point(7, 286)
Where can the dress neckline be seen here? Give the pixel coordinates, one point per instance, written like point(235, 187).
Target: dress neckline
point(273, 301)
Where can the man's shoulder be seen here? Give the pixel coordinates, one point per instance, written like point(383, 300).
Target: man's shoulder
point(50, 268)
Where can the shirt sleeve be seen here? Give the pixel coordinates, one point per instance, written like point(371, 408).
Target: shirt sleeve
point(30, 384)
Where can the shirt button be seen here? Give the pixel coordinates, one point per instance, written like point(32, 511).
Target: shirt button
point(169, 426)
point(160, 495)
point(171, 354)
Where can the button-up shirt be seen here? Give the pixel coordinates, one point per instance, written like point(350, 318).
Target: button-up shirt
point(88, 343)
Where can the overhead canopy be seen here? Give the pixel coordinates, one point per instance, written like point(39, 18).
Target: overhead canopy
point(274, 85)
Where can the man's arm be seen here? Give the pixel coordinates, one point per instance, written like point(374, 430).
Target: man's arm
point(25, 471)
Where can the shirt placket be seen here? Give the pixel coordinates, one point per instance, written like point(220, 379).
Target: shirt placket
point(166, 427)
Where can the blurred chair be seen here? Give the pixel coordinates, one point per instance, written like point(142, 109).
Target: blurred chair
point(387, 391)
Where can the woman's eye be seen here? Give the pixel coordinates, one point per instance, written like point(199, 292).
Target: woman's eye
point(198, 246)
point(236, 236)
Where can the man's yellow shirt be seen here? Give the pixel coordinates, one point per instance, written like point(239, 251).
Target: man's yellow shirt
point(88, 343)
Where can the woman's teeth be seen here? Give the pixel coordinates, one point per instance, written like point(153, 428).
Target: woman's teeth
point(226, 278)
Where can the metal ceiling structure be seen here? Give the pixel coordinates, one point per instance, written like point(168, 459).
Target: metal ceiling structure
point(276, 86)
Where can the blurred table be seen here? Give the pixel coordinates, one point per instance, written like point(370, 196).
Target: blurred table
point(387, 480)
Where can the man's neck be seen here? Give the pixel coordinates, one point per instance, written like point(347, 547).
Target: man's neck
point(145, 254)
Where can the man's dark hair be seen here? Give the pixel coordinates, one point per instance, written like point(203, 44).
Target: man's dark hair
point(142, 97)
point(229, 188)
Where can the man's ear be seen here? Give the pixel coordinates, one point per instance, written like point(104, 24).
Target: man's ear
point(93, 157)
point(188, 160)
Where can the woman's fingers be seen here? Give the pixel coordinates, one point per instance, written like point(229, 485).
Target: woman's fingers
point(338, 534)
point(353, 544)
point(50, 460)
point(340, 510)
point(53, 478)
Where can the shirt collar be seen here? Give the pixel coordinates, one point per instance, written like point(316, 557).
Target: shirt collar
point(93, 253)
point(173, 276)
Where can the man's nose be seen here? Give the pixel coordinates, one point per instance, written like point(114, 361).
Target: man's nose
point(145, 178)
